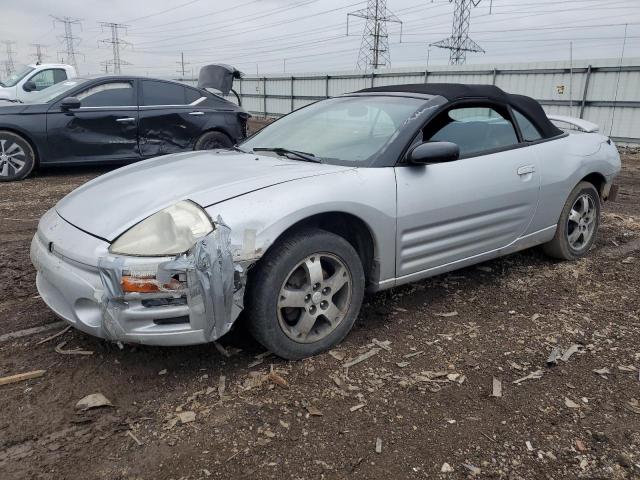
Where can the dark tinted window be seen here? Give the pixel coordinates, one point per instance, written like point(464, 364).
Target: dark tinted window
point(529, 131)
point(192, 95)
point(112, 94)
point(165, 93)
point(473, 129)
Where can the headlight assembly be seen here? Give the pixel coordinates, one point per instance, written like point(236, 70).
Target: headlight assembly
point(171, 231)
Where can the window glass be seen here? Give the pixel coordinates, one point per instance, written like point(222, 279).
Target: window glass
point(342, 130)
point(473, 129)
point(48, 78)
point(192, 95)
point(529, 131)
point(163, 93)
point(113, 94)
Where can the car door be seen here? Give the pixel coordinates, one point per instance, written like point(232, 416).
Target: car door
point(479, 203)
point(172, 117)
point(39, 81)
point(104, 128)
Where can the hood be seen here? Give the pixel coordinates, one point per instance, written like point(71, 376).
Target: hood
point(109, 205)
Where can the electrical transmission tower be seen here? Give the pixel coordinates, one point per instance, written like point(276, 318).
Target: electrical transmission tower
point(182, 64)
point(459, 42)
point(374, 48)
point(70, 42)
point(115, 41)
point(39, 54)
point(9, 65)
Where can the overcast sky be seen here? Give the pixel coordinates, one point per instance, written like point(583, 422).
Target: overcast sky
point(311, 35)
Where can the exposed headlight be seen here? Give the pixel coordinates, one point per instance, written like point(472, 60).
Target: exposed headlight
point(171, 231)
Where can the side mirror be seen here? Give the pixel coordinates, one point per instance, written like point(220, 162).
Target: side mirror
point(434, 152)
point(29, 86)
point(70, 103)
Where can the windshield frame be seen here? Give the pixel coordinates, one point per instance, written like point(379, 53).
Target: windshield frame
point(390, 152)
point(19, 75)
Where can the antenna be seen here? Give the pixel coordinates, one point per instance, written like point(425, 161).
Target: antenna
point(70, 42)
point(374, 48)
point(115, 43)
point(459, 42)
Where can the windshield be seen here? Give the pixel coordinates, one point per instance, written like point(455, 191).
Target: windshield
point(344, 130)
point(48, 94)
point(15, 77)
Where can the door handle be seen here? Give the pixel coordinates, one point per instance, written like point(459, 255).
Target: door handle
point(125, 120)
point(526, 170)
point(196, 113)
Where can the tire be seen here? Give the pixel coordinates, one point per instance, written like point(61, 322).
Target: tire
point(213, 140)
point(325, 315)
point(578, 225)
point(17, 158)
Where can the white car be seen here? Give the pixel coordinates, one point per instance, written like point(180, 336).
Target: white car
point(30, 79)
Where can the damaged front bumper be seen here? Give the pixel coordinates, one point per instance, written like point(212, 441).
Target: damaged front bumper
point(82, 283)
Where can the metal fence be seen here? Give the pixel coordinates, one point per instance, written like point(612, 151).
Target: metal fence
point(606, 92)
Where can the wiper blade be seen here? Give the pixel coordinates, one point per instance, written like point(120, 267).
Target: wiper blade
point(304, 156)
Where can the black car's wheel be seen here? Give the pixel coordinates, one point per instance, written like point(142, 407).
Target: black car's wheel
point(213, 140)
point(16, 157)
point(305, 294)
point(578, 224)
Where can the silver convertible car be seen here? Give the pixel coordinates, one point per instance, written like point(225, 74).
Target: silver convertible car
point(364, 191)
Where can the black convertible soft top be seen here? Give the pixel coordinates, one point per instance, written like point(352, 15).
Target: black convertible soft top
point(459, 91)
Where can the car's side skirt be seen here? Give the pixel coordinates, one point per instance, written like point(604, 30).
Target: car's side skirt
point(531, 240)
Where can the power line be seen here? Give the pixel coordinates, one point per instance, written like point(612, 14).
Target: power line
point(374, 47)
point(70, 42)
point(39, 54)
point(115, 41)
point(459, 42)
point(9, 65)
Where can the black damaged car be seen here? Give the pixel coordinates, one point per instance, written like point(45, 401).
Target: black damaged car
point(113, 119)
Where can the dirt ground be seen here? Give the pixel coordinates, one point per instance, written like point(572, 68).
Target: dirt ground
point(425, 392)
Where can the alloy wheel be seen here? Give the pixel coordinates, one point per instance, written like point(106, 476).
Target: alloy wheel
point(314, 298)
point(12, 158)
point(582, 222)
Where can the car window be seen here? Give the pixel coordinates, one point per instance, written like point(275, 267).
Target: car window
point(165, 93)
point(192, 95)
point(48, 78)
point(342, 130)
point(529, 131)
point(112, 94)
point(474, 129)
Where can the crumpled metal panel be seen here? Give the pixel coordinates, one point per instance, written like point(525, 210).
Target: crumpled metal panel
point(214, 285)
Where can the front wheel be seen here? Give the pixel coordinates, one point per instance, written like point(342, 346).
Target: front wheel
point(213, 140)
point(304, 296)
point(16, 157)
point(578, 224)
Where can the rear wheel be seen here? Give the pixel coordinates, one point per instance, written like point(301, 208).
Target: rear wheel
point(305, 295)
point(213, 140)
point(578, 224)
point(17, 158)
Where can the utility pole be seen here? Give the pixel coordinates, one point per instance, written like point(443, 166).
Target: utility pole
point(9, 65)
point(115, 41)
point(39, 54)
point(182, 64)
point(459, 42)
point(70, 42)
point(374, 47)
